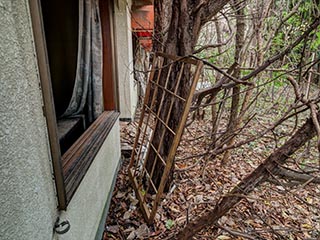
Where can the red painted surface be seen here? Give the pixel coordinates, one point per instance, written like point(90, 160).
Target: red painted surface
point(145, 34)
point(142, 23)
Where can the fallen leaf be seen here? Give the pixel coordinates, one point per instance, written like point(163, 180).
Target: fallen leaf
point(129, 230)
point(113, 229)
point(142, 231)
point(306, 225)
point(132, 235)
point(223, 237)
point(120, 195)
point(127, 215)
point(198, 199)
point(133, 200)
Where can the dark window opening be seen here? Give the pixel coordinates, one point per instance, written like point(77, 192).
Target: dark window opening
point(61, 26)
point(73, 144)
point(61, 23)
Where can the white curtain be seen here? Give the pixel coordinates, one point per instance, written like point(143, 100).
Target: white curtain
point(87, 97)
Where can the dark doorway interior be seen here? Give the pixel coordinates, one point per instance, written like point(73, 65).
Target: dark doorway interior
point(61, 19)
point(61, 25)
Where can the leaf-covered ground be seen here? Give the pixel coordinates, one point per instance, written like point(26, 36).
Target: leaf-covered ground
point(279, 209)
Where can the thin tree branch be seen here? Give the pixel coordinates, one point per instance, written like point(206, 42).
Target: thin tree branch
point(271, 60)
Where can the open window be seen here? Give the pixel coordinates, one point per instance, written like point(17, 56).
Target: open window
point(74, 44)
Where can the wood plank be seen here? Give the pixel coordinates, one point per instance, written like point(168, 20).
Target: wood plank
point(82, 153)
point(46, 88)
point(143, 206)
point(109, 87)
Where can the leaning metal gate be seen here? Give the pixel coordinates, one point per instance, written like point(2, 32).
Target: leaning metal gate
point(159, 92)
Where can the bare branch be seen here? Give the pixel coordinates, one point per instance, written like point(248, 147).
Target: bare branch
point(296, 176)
point(271, 60)
point(213, 45)
point(295, 87)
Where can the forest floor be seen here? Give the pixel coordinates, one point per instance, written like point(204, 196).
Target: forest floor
point(278, 209)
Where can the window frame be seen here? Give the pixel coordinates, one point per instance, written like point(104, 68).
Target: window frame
point(82, 153)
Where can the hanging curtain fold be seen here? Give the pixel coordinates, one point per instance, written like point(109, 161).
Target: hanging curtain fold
point(87, 97)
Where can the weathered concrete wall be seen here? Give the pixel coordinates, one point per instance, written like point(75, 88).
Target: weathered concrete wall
point(28, 207)
point(123, 38)
point(27, 197)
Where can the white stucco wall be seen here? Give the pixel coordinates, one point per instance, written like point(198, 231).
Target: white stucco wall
point(28, 207)
point(123, 38)
point(27, 197)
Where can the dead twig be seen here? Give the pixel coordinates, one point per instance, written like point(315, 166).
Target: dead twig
point(296, 176)
point(236, 233)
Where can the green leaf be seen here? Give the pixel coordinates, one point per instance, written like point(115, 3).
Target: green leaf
point(143, 192)
point(169, 224)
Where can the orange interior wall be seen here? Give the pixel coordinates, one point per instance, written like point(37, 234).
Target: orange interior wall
point(142, 23)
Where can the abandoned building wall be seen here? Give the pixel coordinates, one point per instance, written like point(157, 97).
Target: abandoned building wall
point(123, 37)
point(27, 196)
point(28, 205)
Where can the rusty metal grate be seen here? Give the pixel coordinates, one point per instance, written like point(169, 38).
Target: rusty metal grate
point(163, 99)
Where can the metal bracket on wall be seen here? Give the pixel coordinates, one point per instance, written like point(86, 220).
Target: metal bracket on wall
point(61, 227)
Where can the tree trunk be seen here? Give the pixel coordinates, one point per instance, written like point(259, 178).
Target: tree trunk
point(214, 113)
point(187, 18)
point(162, 19)
point(269, 167)
point(263, 10)
point(234, 121)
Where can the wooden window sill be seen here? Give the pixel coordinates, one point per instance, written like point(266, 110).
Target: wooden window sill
point(78, 158)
